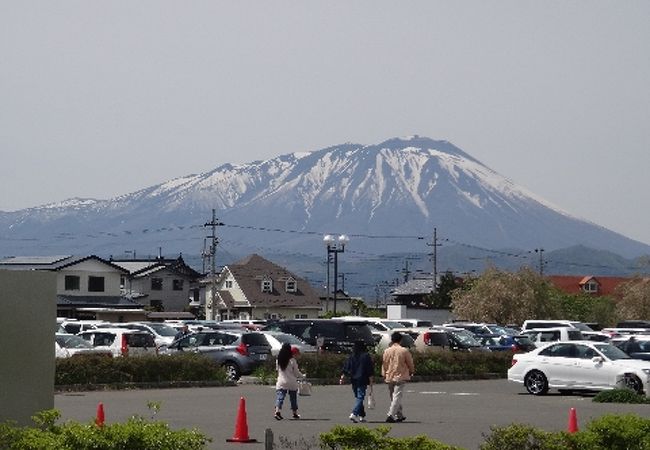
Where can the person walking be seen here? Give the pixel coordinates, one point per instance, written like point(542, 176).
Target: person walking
point(360, 369)
point(287, 382)
point(184, 331)
point(396, 368)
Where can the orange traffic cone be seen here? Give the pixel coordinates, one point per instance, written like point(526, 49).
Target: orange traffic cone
point(99, 420)
point(573, 421)
point(241, 426)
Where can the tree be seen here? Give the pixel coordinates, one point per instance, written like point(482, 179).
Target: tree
point(588, 308)
point(634, 300)
point(505, 297)
point(442, 297)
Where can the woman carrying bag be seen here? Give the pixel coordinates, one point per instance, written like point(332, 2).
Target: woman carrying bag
point(359, 368)
point(288, 375)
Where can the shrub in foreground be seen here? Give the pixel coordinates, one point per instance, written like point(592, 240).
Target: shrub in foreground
point(363, 438)
point(136, 434)
point(609, 432)
point(620, 396)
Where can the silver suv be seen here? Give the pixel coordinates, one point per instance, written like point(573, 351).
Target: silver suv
point(239, 352)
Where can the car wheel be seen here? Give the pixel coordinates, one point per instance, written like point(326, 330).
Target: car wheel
point(536, 383)
point(631, 381)
point(232, 371)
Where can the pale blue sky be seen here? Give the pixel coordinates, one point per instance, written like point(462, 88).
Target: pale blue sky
point(99, 99)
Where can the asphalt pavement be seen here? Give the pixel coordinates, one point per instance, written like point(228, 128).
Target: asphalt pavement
point(454, 412)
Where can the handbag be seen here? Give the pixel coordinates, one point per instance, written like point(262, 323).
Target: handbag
point(304, 388)
point(371, 399)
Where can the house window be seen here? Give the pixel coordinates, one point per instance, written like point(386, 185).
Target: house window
point(72, 283)
point(590, 287)
point(300, 316)
point(291, 286)
point(95, 284)
point(156, 284)
point(177, 285)
point(228, 284)
point(267, 286)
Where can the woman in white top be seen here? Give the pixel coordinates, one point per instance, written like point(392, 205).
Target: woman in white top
point(288, 375)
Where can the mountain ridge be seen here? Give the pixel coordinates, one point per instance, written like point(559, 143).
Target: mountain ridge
point(399, 187)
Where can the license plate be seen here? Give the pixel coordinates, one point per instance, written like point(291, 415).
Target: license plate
point(263, 356)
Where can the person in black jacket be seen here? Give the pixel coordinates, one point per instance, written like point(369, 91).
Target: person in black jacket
point(359, 368)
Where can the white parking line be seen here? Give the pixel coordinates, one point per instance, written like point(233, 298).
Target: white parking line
point(450, 393)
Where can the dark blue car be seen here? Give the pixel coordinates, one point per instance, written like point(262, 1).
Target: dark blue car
point(516, 343)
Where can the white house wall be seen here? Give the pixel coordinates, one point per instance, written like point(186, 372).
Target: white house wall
point(85, 269)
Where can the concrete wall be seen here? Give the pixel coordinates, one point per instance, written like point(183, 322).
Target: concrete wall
point(27, 327)
point(436, 316)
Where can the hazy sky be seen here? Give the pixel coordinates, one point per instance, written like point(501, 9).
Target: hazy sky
point(101, 98)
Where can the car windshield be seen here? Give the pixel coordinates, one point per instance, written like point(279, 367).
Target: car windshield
point(163, 330)
point(72, 341)
point(392, 324)
point(288, 339)
point(496, 329)
point(581, 326)
point(611, 351)
point(466, 338)
point(140, 340)
point(360, 332)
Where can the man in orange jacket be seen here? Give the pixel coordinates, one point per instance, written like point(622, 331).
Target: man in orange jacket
point(396, 368)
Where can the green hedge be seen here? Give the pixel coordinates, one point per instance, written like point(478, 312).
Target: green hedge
point(99, 370)
point(439, 364)
point(90, 370)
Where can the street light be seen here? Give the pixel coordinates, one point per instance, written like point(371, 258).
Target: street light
point(335, 245)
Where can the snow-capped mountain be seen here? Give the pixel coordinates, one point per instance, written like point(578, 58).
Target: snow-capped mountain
point(384, 196)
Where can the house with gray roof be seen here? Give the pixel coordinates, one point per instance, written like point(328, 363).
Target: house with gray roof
point(255, 288)
point(162, 284)
point(413, 292)
point(85, 284)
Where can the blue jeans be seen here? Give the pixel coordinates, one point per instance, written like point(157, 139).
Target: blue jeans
point(280, 394)
point(359, 391)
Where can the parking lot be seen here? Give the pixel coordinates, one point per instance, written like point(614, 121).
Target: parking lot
point(453, 412)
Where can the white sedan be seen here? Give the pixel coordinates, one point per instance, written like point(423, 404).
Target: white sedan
point(579, 365)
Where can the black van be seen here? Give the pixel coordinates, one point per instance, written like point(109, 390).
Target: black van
point(338, 335)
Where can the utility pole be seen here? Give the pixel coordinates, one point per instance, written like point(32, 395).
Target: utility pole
point(213, 224)
point(406, 271)
point(541, 261)
point(434, 258)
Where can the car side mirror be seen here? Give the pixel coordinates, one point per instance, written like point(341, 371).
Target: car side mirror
point(597, 359)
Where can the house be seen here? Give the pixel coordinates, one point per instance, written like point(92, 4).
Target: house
point(255, 288)
point(84, 284)
point(413, 292)
point(161, 284)
point(597, 286)
point(345, 304)
point(409, 302)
